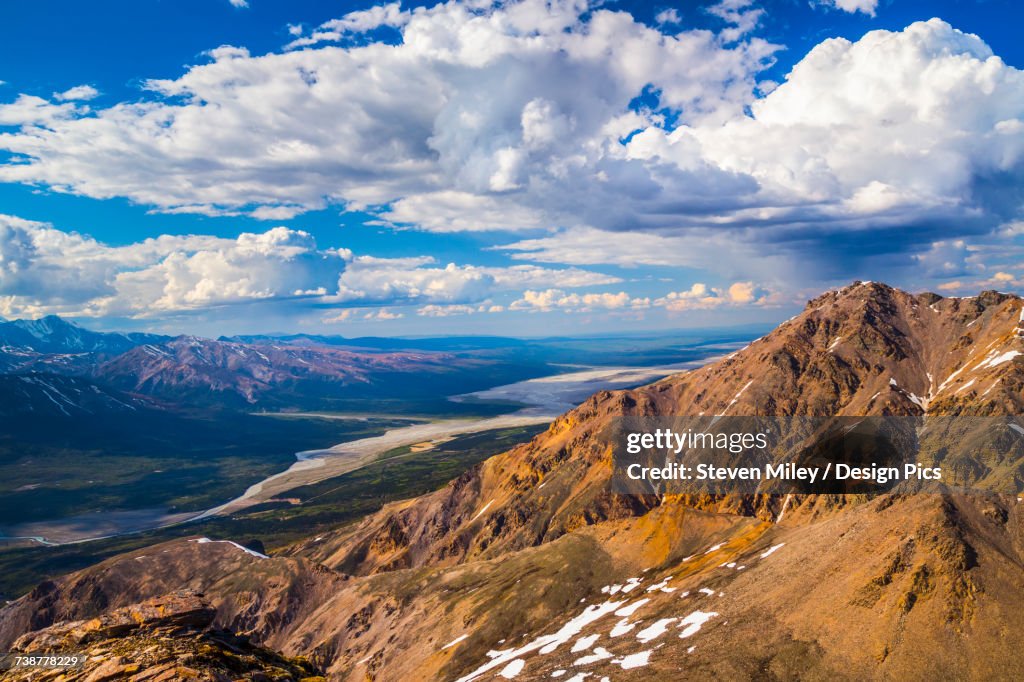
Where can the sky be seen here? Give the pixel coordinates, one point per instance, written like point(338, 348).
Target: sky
point(512, 168)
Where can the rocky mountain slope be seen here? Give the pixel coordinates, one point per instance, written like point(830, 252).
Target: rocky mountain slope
point(53, 344)
point(161, 639)
point(190, 368)
point(529, 568)
point(867, 349)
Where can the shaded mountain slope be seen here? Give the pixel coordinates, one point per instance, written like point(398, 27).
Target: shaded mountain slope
point(47, 396)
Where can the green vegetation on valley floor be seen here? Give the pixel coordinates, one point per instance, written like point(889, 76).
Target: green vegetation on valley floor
point(326, 505)
point(153, 460)
point(180, 461)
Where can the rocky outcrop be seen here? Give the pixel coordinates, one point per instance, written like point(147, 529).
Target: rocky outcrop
point(184, 610)
point(158, 640)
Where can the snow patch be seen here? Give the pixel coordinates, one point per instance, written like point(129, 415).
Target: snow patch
point(548, 643)
point(998, 359)
point(627, 611)
point(584, 643)
point(455, 641)
point(964, 387)
point(203, 541)
point(771, 550)
point(662, 586)
point(495, 653)
point(738, 396)
point(631, 584)
point(622, 627)
point(948, 380)
point(482, 510)
point(655, 630)
point(512, 669)
point(600, 654)
point(782, 512)
point(636, 660)
point(692, 624)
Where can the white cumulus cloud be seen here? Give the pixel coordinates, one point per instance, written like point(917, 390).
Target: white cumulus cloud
point(866, 6)
point(79, 92)
point(415, 280)
point(455, 109)
point(556, 299)
point(46, 270)
point(435, 310)
point(702, 297)
point(522, 115)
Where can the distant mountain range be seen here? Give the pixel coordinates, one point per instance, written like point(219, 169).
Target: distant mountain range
point(296, 371)
point(304, 371)
point(196, 370)
point(53, 334)
point(529, 567)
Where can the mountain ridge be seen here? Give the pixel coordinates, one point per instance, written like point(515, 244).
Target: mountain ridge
point(192, 371)
point(793, 360)
point(54, 334)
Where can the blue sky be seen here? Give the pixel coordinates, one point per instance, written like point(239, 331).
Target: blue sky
point(520, 168)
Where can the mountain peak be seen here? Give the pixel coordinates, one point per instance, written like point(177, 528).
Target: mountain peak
point(56, 319)
point(869, 347)
point(48, 324)
point(54, 334)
